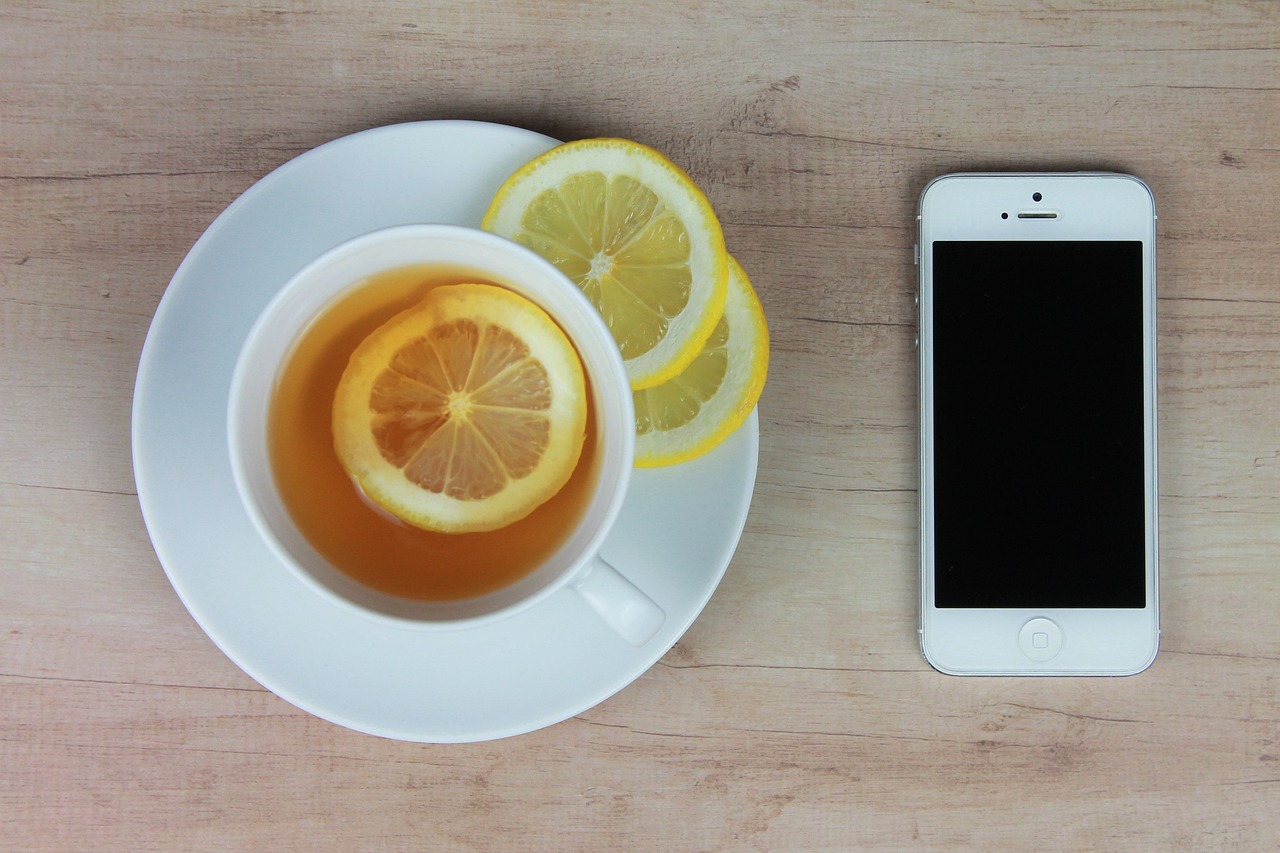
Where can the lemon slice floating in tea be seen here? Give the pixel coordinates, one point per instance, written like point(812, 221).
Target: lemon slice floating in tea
point(690, 414)
point(464, 413)
point(636, 235)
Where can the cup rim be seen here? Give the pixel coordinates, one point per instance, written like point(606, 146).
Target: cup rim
point(617, 458)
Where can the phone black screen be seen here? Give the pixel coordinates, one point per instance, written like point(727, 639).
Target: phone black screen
point(1038, 424)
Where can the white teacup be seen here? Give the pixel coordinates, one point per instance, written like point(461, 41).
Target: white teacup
point(576, 564)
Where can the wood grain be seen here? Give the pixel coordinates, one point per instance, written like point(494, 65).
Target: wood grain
point(797, 713)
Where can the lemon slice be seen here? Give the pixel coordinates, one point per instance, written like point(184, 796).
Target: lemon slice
point(687, 416)
point(463, 413)
point(636, 235)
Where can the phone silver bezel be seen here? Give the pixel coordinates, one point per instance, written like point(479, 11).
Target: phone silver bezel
point(1089, 206)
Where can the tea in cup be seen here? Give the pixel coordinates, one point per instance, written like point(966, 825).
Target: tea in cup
point(348, 547)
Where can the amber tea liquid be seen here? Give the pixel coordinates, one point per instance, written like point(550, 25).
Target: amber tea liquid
point(363, 541)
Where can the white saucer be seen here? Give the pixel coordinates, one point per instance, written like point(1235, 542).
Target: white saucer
point(675, 536)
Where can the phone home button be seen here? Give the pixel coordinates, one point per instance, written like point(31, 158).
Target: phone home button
point(1040, 639)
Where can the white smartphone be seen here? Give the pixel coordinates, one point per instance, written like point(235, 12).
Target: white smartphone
point(1038, 488)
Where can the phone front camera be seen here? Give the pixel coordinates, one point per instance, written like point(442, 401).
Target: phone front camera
point(1004, 216)
point(1036, 196)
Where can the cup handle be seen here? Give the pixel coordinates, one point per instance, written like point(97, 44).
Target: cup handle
point(619, 602)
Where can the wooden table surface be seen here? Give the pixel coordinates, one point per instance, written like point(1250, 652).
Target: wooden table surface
point(797, 713)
